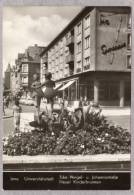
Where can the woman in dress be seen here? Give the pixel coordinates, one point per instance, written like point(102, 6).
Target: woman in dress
point(48, 89)
point(37, 95)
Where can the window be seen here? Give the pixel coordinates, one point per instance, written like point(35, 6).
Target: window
point(108, 90)
point(25, 68)
point(87, 61)
point(25, 80)
point(87, 21)
point(129, 41)
point(87, 42)
point(87, 90)
point(79, 28)
point(79, 47)
point(129, 21)
point(128, 61)
point(78, 66)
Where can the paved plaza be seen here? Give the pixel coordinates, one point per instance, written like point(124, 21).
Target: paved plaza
point(115, 116)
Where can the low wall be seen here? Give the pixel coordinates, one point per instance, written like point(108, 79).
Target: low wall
point(98, 162)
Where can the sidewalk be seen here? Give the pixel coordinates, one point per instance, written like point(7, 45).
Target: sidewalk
point(115, 111)
point(105, 111)
point(8, 113)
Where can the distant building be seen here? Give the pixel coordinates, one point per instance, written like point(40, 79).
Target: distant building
point(7, 77)
point(91, 57)
point(27, 64)
point(13, 79)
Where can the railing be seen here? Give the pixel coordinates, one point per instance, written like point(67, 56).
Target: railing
point(69, 58)
point(78, 70)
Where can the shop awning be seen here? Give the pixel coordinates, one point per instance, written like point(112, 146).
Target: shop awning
point(57, 85)
point(67, 85)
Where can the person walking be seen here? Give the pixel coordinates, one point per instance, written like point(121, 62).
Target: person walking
point(7, 101)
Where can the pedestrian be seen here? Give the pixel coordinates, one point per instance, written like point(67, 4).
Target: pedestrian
point(7, 101)
point(16, 113)
point(37, 95)
point(4, 105)
point(48, 90)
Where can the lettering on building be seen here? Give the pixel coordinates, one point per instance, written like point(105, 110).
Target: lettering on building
point(104, 20)
point(106, 50)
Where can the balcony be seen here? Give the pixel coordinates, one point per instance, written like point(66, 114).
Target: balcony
point(44, 60)
point(69, 58)
point(70, 40)
point(78, 70)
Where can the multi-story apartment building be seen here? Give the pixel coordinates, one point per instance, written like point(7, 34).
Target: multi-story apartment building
point(91, 57)
point(27, 64)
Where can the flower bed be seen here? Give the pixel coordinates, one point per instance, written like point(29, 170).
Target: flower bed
point(71, 136)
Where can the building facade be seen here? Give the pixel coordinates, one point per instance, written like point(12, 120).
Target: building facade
point(27, 64)
point(91, 57)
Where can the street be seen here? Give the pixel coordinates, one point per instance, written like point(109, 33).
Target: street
point(123, 121)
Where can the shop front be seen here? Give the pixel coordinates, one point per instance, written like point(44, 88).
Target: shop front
point(69, 89)
point(107, 89)
point(103, 88)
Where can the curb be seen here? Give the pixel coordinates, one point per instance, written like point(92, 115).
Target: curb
point(66, 159)
point(10, 116)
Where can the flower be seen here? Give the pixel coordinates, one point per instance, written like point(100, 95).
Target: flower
point(52, 133)
point(82, 146)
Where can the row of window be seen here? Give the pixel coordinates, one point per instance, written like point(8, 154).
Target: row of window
point(62, 42)
point(78, 47)
point(86, 64)
point(86, 44)
point(86, 24)
point(59, 72)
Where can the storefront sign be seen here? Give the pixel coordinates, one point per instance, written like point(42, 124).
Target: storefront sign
point(106, 50)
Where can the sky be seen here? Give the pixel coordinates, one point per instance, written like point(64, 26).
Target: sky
point(29, 25)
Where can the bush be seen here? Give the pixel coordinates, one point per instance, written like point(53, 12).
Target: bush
point(71, 137)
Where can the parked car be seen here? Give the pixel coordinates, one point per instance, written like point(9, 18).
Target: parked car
point(30, 101)
point(27, 101)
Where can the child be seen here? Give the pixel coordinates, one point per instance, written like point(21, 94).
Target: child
point(16, 113)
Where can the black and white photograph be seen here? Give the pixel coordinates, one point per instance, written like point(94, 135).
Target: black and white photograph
point(67, 97)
